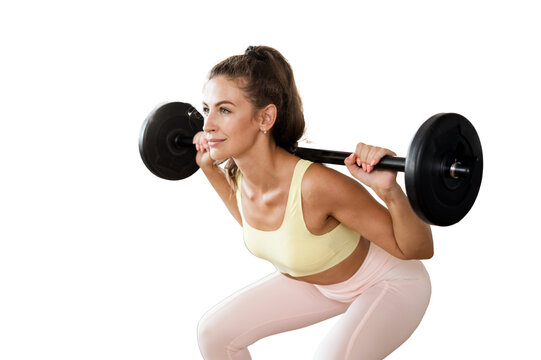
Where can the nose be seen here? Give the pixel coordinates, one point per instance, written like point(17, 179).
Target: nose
point(209, 125)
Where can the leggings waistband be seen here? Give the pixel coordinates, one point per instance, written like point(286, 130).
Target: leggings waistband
point(377, 267)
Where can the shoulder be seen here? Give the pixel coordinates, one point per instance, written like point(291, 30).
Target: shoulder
point(317, 173)
point(327, 187)
point(319, 177)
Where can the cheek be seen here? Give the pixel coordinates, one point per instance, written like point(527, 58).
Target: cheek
point(242, 139)
point(243, 131)
point(239, 140)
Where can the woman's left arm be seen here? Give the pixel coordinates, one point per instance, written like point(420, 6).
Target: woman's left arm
point(413, 236)
point(395, 228)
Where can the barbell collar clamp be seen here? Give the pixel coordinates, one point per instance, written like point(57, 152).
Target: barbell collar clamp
point(457, 170)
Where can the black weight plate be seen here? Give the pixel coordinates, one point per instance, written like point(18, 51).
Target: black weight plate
point(435, 196)
point(158, 147)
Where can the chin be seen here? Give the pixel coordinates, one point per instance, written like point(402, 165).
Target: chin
point(218, 155)
point(221, 153)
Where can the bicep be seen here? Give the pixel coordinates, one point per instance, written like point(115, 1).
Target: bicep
point(350, 203)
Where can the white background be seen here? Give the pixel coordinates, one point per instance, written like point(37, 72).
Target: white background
point(100, 259)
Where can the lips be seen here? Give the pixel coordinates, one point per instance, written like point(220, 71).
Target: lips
point(214, 142)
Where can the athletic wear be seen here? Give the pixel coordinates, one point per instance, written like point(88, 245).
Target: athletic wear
point(292, 249)
point(382, 304)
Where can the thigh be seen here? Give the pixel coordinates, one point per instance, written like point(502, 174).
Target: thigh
point(272, 305)
point(378, 321)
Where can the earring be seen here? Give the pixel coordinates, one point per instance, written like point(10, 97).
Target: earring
point(265, 132)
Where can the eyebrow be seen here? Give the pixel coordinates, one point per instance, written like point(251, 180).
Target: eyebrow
point(221, 103)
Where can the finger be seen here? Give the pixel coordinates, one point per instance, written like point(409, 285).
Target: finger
point(354, 169)
point(350, 160)
point(385, 152)
point(369, 168)
point(365, 153)
point(360, 150)
point(371, 156)
point(376, 156)
point(381, 153)
point(351, 163)
point(196, 137)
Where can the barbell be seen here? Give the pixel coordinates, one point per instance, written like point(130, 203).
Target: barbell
point(443, 167)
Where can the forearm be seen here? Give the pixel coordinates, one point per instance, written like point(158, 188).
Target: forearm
point(218, 179)
point(412, 235)
point(216, 176)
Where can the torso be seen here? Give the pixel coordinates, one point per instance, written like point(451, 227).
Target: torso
point(266, 212)
point(342, 271)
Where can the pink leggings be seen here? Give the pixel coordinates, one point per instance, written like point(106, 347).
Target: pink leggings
point(383, 303)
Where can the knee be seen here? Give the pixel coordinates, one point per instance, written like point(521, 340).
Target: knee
point(206, 337)
point(212, 337)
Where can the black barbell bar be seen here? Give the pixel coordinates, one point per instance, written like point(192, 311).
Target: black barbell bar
point(395, 163)
point(443, 167)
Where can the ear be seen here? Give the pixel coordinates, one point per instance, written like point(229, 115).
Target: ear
point(267, 117)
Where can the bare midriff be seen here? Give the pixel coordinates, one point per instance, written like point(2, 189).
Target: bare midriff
point(341, 271)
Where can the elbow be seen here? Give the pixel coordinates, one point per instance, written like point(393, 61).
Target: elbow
point(426, 256)
point(429, 251)
point(418, 256)
point(426, 250)
point(426, 253)
point(419, 248)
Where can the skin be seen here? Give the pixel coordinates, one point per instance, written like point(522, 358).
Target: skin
point(234, 128)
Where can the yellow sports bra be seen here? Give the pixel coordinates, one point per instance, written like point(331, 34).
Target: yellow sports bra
point(292, 249)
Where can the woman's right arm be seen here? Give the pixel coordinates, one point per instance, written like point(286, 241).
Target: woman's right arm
point(216, 176)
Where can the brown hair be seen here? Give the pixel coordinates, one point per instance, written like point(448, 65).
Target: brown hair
point(268, 80)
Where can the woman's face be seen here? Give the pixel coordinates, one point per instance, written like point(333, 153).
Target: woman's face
point(229, 119)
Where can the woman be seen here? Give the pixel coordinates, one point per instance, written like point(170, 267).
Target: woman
point(337, 250)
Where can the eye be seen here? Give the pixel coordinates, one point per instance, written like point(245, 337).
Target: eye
point(224, 111)
point(205, 111)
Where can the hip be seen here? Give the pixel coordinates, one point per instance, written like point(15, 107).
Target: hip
point(379, 267)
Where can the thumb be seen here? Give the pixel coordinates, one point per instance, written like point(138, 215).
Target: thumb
point(350, 160)
point(351, 164)
point(355, 170)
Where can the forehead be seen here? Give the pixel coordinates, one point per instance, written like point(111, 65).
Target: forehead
point(221, 88)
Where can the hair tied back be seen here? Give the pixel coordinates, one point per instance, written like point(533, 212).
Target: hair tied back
point(251, 52)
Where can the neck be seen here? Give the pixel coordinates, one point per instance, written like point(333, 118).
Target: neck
point(261, 165)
